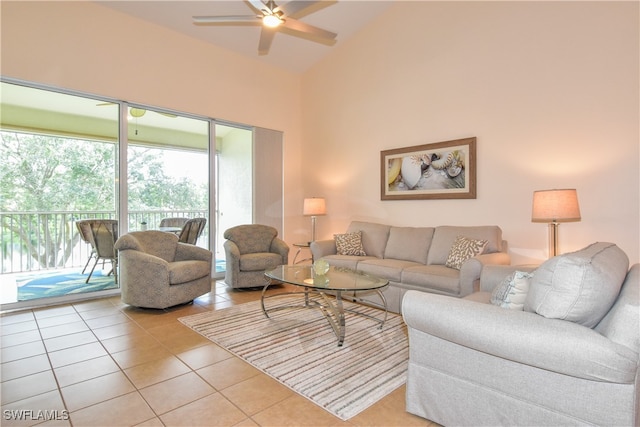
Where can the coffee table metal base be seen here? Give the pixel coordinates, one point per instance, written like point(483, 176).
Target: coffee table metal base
point(332, 308)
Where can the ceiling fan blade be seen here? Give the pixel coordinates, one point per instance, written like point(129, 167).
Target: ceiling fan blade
point(295, 6)
point(258, 5)
point(223, 19)
point(294, 24)
point(266, 37)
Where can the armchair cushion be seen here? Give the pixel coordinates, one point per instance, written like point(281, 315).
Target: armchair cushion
point(259, 261)
point(152, 242)
point(186, 271)
point(580, 286)
point(252, 238)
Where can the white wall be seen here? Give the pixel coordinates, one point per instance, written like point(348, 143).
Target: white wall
point(550, 89)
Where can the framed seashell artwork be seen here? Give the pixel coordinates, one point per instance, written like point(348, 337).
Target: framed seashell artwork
point(442, 170)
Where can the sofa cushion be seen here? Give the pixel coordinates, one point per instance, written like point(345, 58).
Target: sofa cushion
point(579, 286)
point(346, 261)
point(409, 243)
point(463, 249)
point(389, 269)
point(444, 237)
point(512, 292)
point(349, 244)
point(374, 236)
point(433, 278)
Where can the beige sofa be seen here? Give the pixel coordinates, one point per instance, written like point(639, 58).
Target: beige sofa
point(560, 348)
point(415, 258)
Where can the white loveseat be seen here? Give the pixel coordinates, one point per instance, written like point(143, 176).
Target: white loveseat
point(415, 258)
point(569, 355)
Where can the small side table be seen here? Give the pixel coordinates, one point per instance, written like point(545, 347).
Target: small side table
point(301, 246)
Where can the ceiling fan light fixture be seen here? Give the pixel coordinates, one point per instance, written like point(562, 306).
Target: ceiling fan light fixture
point(272, 20)
point(137, 112)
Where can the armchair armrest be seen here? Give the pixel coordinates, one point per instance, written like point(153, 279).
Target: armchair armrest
point(472, 268)
point(185, 252)
point(279, 246)
point(321, 248)
point(522, 337)
point(142, 268)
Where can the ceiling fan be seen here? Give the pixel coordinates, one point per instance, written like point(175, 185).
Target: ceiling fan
point(273, 18)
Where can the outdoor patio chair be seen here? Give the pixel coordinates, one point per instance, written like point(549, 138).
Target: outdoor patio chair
point(173, 222)
point(84, 230)
point(192, 230)
point(102, 235)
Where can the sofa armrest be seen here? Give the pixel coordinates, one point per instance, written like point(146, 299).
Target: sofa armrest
point(522, 337)
point(471, 270)
point(185, 252)
point(280, 247)
point(321, 248)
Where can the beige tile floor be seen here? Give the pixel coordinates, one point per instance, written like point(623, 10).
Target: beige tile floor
point(103, 363)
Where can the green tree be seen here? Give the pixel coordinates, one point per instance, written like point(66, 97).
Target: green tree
point(51, 181)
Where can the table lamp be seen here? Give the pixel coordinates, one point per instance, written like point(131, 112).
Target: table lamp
point(554, 207)
point(314, 206)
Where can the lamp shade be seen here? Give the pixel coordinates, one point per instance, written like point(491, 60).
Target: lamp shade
point(555, 206)
point(314, 206)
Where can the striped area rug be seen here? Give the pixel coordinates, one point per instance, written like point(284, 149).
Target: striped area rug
point(297, 347)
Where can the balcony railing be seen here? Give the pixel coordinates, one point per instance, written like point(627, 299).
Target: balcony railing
point(34, 241)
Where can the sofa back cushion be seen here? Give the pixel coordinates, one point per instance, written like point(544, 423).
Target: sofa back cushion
point(374, 236)
point(409, 243)
point(445, 236)
point(579, 286)
point(157, 243)
point(620, 324)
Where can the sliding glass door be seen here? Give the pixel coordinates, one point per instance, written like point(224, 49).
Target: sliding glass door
point(167, 170)
point(62, 157)
point(58, 165)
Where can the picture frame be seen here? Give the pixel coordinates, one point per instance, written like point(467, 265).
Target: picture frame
point(442, 170)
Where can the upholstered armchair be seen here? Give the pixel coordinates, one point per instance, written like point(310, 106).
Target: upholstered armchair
point(157, 271)
point(250, 250)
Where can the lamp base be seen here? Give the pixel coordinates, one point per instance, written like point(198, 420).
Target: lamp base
point(553, 239)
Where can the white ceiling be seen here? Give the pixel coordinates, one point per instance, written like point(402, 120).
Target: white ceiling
point(344, 17)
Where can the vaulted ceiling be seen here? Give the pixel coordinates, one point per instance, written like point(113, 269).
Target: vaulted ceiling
point(288, 51)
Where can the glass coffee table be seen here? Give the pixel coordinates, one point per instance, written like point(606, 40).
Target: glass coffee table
point(328, 288)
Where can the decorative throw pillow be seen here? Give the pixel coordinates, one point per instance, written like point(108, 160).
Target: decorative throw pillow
point(463, 249)
point(349, 243)
point(512, 292)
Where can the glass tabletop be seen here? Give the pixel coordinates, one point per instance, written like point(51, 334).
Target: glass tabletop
point(336, 279)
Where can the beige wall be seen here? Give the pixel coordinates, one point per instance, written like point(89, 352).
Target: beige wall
point(90, 48)
point(550, 89)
